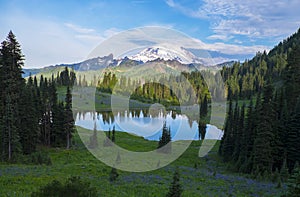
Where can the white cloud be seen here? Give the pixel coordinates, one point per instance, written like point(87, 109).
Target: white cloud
point(79, 29)
point(251, 18)
point(232, 49)
point(219, 37)
point(181, 8)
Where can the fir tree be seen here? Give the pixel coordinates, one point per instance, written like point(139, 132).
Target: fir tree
point(294, 184)
point(262, 151)
point(113, 176)
point(247, 140)
point(107, 141)
point(293, 76)
point(164, 144)
point(69, 121)
point(29, 119)
point(11, 84)
point(236, 132)
point(175, 189)
point(227, 142)
point(293, 137)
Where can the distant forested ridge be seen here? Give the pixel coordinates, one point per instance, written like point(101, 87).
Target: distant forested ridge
point(186, 88)
point(248, 78)
point(30, 112)
point(263, 137)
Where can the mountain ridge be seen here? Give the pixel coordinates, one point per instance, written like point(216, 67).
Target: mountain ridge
point(149, 54)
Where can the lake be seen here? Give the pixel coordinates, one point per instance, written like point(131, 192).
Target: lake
point(141, 123)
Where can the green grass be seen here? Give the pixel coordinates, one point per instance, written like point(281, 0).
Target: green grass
point(205, 176)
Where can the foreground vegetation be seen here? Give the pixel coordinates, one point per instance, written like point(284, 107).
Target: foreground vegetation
point(206, 176)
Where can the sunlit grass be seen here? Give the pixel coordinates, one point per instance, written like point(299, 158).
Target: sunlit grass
point(205, 176)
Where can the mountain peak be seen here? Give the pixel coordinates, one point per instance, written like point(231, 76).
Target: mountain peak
point(166, 53)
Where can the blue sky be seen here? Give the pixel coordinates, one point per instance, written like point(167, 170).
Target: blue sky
point(52, 32)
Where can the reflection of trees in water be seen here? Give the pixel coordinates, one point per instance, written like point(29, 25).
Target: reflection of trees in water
point(202, 130)
point(108, 117)
point(173, 115)
point(93, 138)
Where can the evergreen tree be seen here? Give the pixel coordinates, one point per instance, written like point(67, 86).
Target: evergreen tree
point(69, 121)
point(113, 176)
point(239, 138)
point(118, 159)
point(247, 140)
point(294, 184)
point(164, 144)
point(56, 117)
point(262, 151)
point(175, 189)
point(236, 132)
point(293, 137)
point(227, 142)
point(284, 171)
point(293, 76)
point(45, 112)
point(11, 84)
point(107, 141)
point(58, 132)
point(279, 130)
point(29, 136)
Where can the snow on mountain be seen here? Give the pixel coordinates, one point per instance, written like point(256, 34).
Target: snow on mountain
point(159, 52)
point(166, 53)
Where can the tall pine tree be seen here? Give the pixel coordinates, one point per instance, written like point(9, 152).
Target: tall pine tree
point(11, 85)
point(69, 120)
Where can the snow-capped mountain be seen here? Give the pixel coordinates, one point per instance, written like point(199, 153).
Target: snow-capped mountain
point(176, 55)
point(166, 53)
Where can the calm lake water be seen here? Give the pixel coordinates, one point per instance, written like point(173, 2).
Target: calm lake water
point(143, 124)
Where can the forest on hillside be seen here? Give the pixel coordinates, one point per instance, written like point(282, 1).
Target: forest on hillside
point(263, 137)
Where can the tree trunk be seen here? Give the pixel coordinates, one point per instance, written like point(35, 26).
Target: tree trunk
point(9, 143)
point(68, 140)
point(3, 145)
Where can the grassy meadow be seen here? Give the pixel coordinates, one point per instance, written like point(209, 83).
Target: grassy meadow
point(200, 176)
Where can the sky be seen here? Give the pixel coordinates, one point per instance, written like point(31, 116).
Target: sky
point(52, 32)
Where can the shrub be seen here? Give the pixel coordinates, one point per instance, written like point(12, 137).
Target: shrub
point(40, 158)
point(113, 176)
point(294, 184)
point(73, 187)
point(37, 158)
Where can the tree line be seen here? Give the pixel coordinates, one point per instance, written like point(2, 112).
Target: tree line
point(30, 112)
point(263, 138)
point(183, 89)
